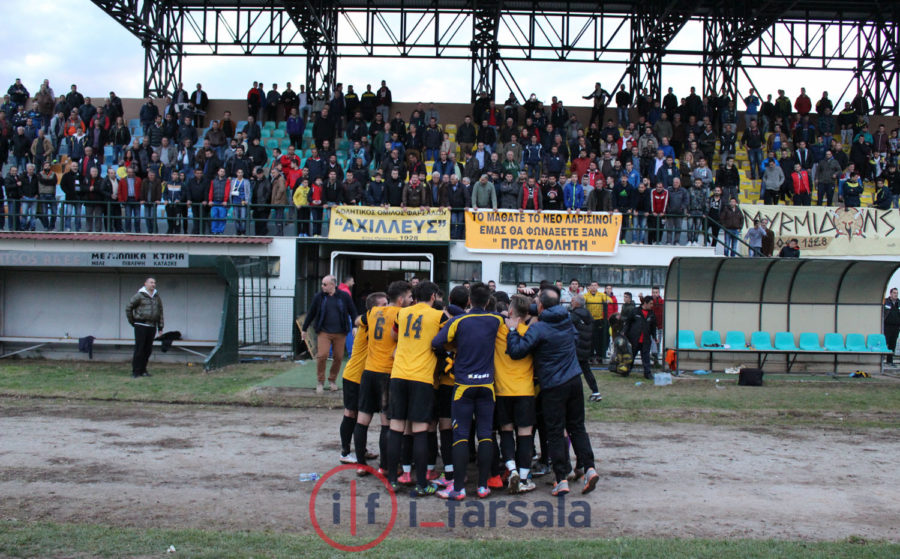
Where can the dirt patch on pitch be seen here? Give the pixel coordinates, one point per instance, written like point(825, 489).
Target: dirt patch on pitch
point(177, 466)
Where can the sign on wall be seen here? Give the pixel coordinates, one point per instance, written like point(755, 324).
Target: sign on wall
point(363, 223)
point(825, 231)
point(544, 232)
point(114, 259)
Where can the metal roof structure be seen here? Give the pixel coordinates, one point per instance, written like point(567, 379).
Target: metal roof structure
point(860, 39)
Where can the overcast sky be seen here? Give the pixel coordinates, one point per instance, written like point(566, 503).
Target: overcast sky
point(74, 41)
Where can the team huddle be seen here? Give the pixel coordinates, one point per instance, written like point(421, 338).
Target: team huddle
point(447, 377)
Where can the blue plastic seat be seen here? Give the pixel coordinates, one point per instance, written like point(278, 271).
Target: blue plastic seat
point(736, 340)
point(710, 339)
point(809, 341)
point(877, 343)
point(278, 133)
point(271, 144)
point(269, 126)
point(686, 340)
point(761, 340)
point(134, 122)
point(834, 342)
point(856, 342)
point(784, 341)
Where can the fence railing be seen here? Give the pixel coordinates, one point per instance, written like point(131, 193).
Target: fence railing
point(50, 214)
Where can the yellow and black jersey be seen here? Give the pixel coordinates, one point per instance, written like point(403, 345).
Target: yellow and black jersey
point(354, 369)
point(416, 327)
point(381, 344)
point(512, 377)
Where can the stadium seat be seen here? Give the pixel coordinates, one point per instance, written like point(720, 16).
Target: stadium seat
point(809, 341)
point(307, 132)
point(278, 133)
point(686, 340)
point(877, 343)
point(265, 133)
point(710, 339)
point(137, 131)
point(134, 123)
point(240, 125)
point(761, 340)
point(735, 340)
point(271, 144)
point(834, 342)
point(784, 341)
point(450, 129)
point(269, 125)
point(856, 342)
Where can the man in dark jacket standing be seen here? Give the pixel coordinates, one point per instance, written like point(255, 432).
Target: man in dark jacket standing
point(552, 341)
point(584, 325)
point(331, 314)
point(640, 329)
point(891, 322)
point(145, 313)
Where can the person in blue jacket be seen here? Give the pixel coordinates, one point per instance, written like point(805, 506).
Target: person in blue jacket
point(240, 190)
point(573, 193)
point(551, 341)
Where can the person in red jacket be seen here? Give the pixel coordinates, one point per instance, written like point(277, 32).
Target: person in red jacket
point(316, 203)
point(129, 196)
point(803, 103)
point(254, 100)
point(802, 192)
point(581, 164)
point(659, 203)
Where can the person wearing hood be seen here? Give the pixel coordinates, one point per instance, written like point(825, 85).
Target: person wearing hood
point(551, 341)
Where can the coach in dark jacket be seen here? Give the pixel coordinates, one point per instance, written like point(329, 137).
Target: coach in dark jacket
point(640, 329)
point(331, 314)
point(552, 342)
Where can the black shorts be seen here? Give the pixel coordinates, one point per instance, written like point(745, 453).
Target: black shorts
point(444, 401)
point(373, 392)
point(412, 400)
point(518, 410)
point(351, 394)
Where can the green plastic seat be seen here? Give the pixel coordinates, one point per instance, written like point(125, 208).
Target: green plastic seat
point(272, 143)
point(686, 340)
point(877, 343)
point(735, 340)
point(710, 339)
point(784, 341)
point(269, 125)
point(856, 342)
point(278, 133)
point(761, 340)
point(809, 341)
point(834, 342)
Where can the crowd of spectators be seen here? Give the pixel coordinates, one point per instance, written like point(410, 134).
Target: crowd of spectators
point(670, 167)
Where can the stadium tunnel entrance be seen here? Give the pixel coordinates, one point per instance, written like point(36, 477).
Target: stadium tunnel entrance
point(373, 265)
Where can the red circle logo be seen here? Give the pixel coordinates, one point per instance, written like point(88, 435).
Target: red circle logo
point(315, 521)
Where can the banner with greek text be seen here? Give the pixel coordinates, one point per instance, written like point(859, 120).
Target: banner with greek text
point(361, 223)
point(548, 232)
point(824, 231)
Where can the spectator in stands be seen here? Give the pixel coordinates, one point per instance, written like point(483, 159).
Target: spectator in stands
point(459, 200)
point(484, 195)
point(883, 195)
point(732, 220)
point(754, 238)
point(827, 172)
point(130, 197)
point(772, 181)
point(791, 250)
point(802, 192)
point(316, 202)
point(151, 195)
point(238, 196)
point(383, 100)
point(219, 190)
point(12, 185)
point(95, 198)
point(676, 209)
point(852, 191)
